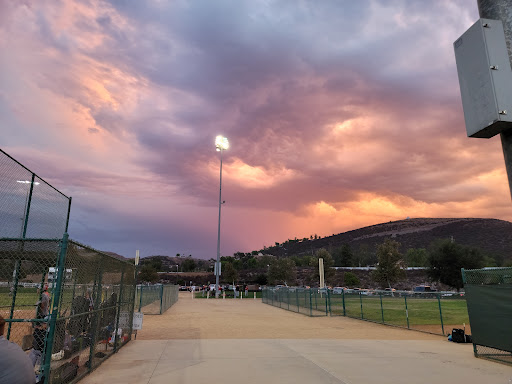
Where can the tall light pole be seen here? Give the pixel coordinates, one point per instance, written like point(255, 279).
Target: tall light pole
point(221, 144)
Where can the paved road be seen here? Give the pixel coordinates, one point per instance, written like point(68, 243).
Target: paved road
point(245, 341)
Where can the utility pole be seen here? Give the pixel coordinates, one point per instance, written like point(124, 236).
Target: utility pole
point(502, 10)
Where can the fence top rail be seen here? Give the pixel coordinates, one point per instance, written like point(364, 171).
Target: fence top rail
point(35, 174)
point(367, 292)
point(100, 252)
point(29, 239)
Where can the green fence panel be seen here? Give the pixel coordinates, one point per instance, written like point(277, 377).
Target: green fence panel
point(488, 295)
point(156, 299)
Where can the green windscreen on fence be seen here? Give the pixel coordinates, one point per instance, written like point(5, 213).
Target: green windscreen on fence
point(490, 311)
point(489, 298)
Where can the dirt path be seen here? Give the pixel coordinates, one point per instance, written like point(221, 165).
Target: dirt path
point(251, 319)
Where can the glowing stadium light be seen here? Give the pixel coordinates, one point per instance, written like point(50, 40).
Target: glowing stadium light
point(221, 143)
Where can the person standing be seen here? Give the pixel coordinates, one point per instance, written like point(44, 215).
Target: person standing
point(43, 310)
point(15, 365)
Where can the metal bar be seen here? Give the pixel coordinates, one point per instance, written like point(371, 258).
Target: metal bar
point(361, 302)
point(310, 303)
point(44, 181)
point(381, 307)
point(344, 309)
point(161, 297)
point(27, 210)
point(140, 298)
point(327, 302)
point(218, 232)
point(69, 211)
point(14, 292)
point(94, 324)
point(288, 297)
point(406, 311)
point(118, 309)
point(297, 296)
point(440, 312)
point(58, 282)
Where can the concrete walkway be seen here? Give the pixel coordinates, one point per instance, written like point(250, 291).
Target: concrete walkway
point(206, 354)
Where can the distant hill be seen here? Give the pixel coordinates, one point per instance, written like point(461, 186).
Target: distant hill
point(492, 236)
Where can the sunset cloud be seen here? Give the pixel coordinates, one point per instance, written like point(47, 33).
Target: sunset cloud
point(339, 116)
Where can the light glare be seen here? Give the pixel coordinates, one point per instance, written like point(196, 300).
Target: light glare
point(221, 143)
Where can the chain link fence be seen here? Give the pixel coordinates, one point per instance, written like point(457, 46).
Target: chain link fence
point(308, 301)
point(156, 299)
point(29, 206)
point(432, 312)
point(69, 306)
point(489, 294)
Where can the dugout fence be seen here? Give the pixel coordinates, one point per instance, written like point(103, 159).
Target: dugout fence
point(89, 296)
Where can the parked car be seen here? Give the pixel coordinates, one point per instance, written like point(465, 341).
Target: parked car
point(424, 288)
point(338, 290)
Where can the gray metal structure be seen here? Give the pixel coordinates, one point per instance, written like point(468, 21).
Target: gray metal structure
point(501, 10)
point(485, 78)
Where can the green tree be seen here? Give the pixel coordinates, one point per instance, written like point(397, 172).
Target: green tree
point(148, 274)
point(188, 265)
point(229, 273)
point(416, 257)
point(351, 280)
point(364, 256)
point(261, 279)
point(282, 271)
point(391, 266)
point(446, 258)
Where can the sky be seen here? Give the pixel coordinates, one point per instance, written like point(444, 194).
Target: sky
point(340, 114)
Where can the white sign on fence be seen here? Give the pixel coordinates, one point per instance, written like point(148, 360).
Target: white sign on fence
point(137, 320)
point(124, 320)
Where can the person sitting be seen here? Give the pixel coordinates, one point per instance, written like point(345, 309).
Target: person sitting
point(15, 366)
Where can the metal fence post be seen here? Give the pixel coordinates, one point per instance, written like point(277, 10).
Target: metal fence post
point(55, 308)
point(381, 307)
point(161, 297)
point(119, 302)
point(361, 301)
point(327, 303)
point(343, 297)
point(288, 297)
point(69, 211)
point(97, 314)
point(14, 292)
point(406, 311)
point(140, 297)
point(29, 201)
point(440, 312)
point(310, 303)
point(297, 297)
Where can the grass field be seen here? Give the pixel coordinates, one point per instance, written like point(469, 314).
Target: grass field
point(421, 313)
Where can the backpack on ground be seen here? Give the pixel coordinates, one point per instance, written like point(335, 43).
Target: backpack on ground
point(458, 335)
